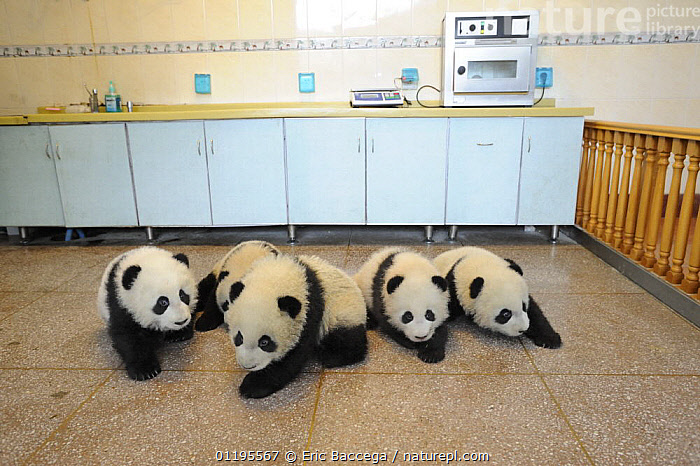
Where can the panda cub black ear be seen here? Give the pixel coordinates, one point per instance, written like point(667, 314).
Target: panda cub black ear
point(440, 282)
point(393, 284)
point(514, 266)
point(475, 287)
point(235, 291)
point(222, 275)
point(129, 276)
point(182, 258)
point(290, 305)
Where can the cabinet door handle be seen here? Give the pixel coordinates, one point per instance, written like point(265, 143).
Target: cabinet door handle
point(58, 154)
point(212, 146)
point(484, 144)
point(529, 143)
point(373, 145)
point(358, 145)
point(48, 155)
point(199, 148)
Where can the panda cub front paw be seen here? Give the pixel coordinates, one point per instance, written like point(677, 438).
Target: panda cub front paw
point(144, 370)
point(431, 355)
point(256, 385)
point(552, 341)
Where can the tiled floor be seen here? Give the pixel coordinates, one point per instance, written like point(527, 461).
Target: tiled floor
point(623, 389)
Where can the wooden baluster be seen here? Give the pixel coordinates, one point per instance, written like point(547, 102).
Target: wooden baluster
point(604, 184)
point(644, 197)
point(657, 203)
point(590, 172)
point(582, 177)
point(597, 179)
point(675, 275)
point(614, 186)
point(633, 204)
point(678, 148)
point(624, 191)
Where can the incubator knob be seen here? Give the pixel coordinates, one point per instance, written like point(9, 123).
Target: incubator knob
point(472, 27)
point(461, 70)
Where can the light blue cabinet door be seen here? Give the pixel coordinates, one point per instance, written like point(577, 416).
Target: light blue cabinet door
point(246, 172)
point(549, 173)
point(29, 194)
point(406, 160)
point(92, 163)
point(326, 170)
point(483, 170)
point(170, 173)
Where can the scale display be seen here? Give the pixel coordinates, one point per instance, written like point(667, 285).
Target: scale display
point(376, 98)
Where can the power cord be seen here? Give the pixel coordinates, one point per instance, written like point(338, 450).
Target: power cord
point(541, 97)
point(421, 103)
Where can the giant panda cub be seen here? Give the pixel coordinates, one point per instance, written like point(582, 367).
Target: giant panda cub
point(407, 297)
point(286, 309)
point(213, 290)
point(493, 293)
point(145, 298)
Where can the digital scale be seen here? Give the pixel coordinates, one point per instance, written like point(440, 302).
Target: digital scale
point(376, 98)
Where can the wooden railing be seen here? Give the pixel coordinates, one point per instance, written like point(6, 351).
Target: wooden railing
point(624, 198)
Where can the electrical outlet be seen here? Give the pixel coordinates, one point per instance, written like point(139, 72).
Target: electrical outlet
point(409, 78)
point(307, 82)
point(202, 83)
point(544, 77)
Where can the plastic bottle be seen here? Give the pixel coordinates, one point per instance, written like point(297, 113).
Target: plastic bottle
point(113, 101)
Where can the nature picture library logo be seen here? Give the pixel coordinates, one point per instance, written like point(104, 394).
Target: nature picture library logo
point(660, 19)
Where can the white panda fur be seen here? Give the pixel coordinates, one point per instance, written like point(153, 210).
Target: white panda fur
point(132, 287)
point(396, 282)
point(492, 291)
point(297, 306)
point(214, 288)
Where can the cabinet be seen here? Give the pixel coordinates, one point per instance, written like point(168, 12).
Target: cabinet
point(484, 171)
point(406, 170)
point(246, 172)
point(92, 164)
point(29, 194)
point(170, 173)
point(326, 170)
point(549, 170)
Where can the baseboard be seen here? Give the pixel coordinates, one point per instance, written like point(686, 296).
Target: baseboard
point(655, 285)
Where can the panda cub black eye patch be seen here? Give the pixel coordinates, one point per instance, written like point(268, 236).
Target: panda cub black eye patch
point(161, 305)
point(184, 297)
point(266, 344)
point(504, 316)
point(238, 340)
point(407, 317)
point(430, 315)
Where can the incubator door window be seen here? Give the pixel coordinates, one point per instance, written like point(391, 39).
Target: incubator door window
point(492, 69)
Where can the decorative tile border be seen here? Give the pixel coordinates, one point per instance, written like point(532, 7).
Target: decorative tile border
point(322, 43)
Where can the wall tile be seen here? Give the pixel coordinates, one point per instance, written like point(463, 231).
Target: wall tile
point(692, 119)
point(99, 31)
point(325, 18)
point(12, 96)
point(155, 20)
point(289, 19)
point(287, 65)
point(126, 22)
point(359, 17)
point(56, 21)
point(188, 20)
point(79, 30)
point(255, 20)
point(227, 77)
point(258, 78)
point(221, 19)
point(359, 70)
point(672, 68)
point(39, 90)
point(394, 17)
point(158, 86)
point(465, 5)
point(427, 17)
point(570, 71)
point(22, 18)
point(668, 112)
point(490, 5)
point(5, 36)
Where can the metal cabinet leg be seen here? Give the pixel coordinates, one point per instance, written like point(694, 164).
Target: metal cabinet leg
point(453, 232)
point(23, 235)
point(291, 234)
point(429, 234)
point(554, 233)
point(150, 235)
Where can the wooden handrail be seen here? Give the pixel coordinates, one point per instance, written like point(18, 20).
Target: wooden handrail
point(625, 198)
point(679, 132)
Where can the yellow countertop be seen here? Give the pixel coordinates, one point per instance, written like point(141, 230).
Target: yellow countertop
point(13, 120)
point(296, 110)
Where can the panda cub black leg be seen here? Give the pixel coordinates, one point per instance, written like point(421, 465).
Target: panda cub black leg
point(343, 347)
point(540, 331)
point(138, 353)
point(276, 375)
point(433, 350)
point(372, 322)
point(212, 316)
